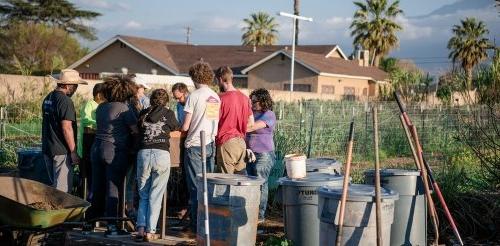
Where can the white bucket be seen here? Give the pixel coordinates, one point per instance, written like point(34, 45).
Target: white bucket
point(295, 166)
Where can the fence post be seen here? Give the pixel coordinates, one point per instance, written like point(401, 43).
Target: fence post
point(311, 135)
point(367, 110)
point(3, 116)
point(422, 123)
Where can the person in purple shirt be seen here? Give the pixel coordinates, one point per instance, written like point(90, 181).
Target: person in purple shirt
point(259, 139)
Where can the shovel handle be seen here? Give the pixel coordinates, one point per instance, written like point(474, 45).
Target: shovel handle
point(400, 104)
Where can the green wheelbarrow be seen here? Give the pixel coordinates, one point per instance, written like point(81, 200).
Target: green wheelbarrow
point(27, 204)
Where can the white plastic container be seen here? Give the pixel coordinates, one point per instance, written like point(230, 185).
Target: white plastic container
point(295, 166)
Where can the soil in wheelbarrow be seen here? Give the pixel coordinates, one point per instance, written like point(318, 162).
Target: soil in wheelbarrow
point(45, 205)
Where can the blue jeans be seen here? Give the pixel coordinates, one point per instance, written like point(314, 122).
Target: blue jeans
point(261, 168)
point(193, 166)
point(153, 169)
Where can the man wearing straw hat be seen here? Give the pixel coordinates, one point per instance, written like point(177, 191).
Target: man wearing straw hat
point(59, 130)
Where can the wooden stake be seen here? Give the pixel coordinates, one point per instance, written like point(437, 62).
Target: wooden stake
point(345, 185)
point(377, 178)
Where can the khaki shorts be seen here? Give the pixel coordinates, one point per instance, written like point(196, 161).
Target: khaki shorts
point(231, 155)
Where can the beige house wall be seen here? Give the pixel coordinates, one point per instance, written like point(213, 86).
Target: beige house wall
point(275, 73)
point(362, 87)
point(116, 56)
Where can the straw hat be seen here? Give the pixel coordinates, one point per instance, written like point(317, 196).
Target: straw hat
point(69, 77)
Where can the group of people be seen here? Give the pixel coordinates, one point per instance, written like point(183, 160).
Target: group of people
point(122, 128)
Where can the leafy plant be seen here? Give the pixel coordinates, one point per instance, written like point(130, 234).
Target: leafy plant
point(278, 241)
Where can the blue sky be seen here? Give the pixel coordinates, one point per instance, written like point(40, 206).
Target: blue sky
point(426, 23)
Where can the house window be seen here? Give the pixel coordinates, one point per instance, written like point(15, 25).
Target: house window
point(298, 87)
point(349, 93)
point(122, 45)
point(365, 92)
point(328, 89)
point(90, 76)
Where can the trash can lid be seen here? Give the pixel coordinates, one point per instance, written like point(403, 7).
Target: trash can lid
point(358, 192)
point(315, 164)
point(393, 172)
point(231, 179)
point(29, 150)
point(313, 179)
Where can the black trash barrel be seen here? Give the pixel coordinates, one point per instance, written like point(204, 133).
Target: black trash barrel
point(32, 166)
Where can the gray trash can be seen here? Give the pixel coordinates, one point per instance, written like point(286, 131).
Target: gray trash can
point(233, 209)
point(300, 205)
point(323, 165)
point(359, 218)
point(410, 211)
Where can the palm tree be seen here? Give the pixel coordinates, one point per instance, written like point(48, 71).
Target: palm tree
point(260, 29)
point(468, 46)
point(296, 8)
point(374, 27)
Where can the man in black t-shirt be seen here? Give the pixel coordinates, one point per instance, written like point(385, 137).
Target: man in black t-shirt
point(59, 130)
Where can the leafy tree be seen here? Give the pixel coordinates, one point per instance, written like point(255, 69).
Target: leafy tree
point(260, 29)
point(388, 64)
point(57, 13)
point(374, 27)
point(406, 78)
point(487, 82)
point(469, 46)
point(29, 48)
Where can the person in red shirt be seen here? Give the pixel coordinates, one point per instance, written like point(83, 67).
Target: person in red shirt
point(234, 118)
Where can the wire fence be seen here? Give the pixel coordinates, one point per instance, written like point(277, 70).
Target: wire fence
point(314, 128)
point(321, 128)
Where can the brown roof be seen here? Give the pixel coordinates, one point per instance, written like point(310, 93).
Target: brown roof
point(157, 49)
point(180, 57)
point(338, 66)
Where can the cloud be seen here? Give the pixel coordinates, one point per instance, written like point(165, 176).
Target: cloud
point(412, 31)
point(103, 5)
point(338, 22)
point(133, 25)
point(220, 23)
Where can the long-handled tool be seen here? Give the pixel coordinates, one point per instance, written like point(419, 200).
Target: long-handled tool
point(205, 188)
point(345, 185)
point(423, 175)
point(377, 178)
point(426, 172)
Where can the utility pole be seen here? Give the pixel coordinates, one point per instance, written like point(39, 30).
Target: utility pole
point(294, 18)
point(296, 7)
point(188, 34)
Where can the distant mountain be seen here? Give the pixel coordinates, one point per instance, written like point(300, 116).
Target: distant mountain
point(459, 5)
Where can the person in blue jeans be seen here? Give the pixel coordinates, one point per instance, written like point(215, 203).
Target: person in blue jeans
point(153, 162)
point(201, 114)
point(259, 140)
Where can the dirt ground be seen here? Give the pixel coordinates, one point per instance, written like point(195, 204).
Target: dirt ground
point(45, 206)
